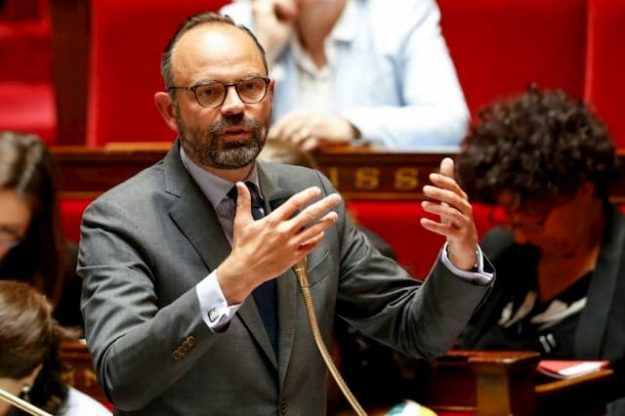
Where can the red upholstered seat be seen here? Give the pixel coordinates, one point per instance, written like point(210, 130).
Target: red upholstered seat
point(397, 222)
point(605, 70)
point(126, 46)
point(71, 215)
point(27, 100)
point(499, 47)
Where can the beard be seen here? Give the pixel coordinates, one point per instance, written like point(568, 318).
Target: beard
point(205, 147)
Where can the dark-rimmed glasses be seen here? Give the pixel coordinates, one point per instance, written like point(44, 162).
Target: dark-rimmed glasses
point(212, 94)
point(528, 216)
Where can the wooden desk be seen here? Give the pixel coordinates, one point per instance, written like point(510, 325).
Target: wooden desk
point(359, 173)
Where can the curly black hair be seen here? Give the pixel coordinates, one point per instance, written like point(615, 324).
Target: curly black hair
point(540, 146)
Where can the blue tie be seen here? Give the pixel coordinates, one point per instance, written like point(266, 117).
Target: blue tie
point(265, 295)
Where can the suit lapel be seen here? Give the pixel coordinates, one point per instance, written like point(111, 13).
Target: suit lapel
point(591, 329)
point(197, 220)
point(193, 213)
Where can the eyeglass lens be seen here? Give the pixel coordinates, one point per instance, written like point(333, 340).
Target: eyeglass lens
point(250, 91)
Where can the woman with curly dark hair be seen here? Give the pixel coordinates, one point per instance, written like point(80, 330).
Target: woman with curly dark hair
point(32, 246)
point(29, 355)
point(547, 163)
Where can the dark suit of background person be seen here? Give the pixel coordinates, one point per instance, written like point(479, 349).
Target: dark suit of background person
point(148, 243)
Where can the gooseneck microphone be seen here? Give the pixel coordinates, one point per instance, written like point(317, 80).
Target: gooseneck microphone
point(22, 404)
point(302, 277)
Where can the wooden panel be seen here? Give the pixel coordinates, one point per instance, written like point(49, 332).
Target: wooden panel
point(70, 48)
point(359, 173)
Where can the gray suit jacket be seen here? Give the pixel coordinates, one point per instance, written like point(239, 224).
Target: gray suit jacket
point(146, 244)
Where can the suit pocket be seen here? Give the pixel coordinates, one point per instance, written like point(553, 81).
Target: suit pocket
point(319, 267)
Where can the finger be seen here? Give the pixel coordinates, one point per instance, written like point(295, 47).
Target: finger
point(285, 11)
point(294, 204)
point(447, 167)
point(310, 144)
point(314, 211)
point(448, 215)
point(446, 182)
point(315, 228)
point(310, 244)
point(446, 230)
point(447, 197)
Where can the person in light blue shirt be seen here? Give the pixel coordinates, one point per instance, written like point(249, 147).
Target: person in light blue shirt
point(356, 71)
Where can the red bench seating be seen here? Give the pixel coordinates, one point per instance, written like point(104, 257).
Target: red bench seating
point(499, 47)
point(605, 65)
point(27, 101)
point(126, 48)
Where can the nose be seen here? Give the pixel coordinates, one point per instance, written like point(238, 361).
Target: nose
point(232, 103)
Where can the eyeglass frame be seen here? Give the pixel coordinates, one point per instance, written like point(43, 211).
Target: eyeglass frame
point(539, 212)
point(226, 85)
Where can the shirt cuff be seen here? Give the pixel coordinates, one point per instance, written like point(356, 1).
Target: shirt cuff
point(215, 310)
point(477, 277)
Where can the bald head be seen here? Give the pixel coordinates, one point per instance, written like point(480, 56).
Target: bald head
point(206, 21)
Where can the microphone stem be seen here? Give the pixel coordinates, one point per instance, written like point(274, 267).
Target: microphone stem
point(22, 404)
point(300, 272)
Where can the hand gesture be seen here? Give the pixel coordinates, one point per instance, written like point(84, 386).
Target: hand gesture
point(264, 249)
point(308, 130)
point(274, 22)
point(452, 205)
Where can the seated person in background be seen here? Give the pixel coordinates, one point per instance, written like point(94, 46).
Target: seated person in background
point(32, 246)
point(29, 355)
point(279, 151)
point(350, 70)
point(547, 162)
point(375, 375)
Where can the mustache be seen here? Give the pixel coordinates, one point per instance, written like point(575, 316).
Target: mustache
point(249, 124)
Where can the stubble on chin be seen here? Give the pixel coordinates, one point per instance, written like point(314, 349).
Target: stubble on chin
point(207, 149)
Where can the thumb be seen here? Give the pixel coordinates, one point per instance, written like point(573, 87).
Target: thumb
point(243, 214)
point(447, 167)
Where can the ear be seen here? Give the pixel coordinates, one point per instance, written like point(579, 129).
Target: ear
point(166, 108)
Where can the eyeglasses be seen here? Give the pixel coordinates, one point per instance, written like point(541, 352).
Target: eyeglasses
point(530, 216)
point(9, 238)
point(212, 94)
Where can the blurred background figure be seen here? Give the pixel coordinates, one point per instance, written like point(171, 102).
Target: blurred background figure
point(279, 151)
point(349, 71)
point(32, 246)
point(29, 355)
point(546, 162)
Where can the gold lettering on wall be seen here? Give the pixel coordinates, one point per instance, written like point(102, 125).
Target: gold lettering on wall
point(367, 178)
point(89, 378)
point(406, 179)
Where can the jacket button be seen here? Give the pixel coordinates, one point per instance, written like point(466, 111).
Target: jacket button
point(189, 342)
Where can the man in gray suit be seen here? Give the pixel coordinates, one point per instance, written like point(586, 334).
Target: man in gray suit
point(190, 304)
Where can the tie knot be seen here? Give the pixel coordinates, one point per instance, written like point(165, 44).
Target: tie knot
point(256, 200)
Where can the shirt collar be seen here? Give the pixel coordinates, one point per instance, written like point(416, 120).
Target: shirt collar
point(212, 186)
point(344, 31)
